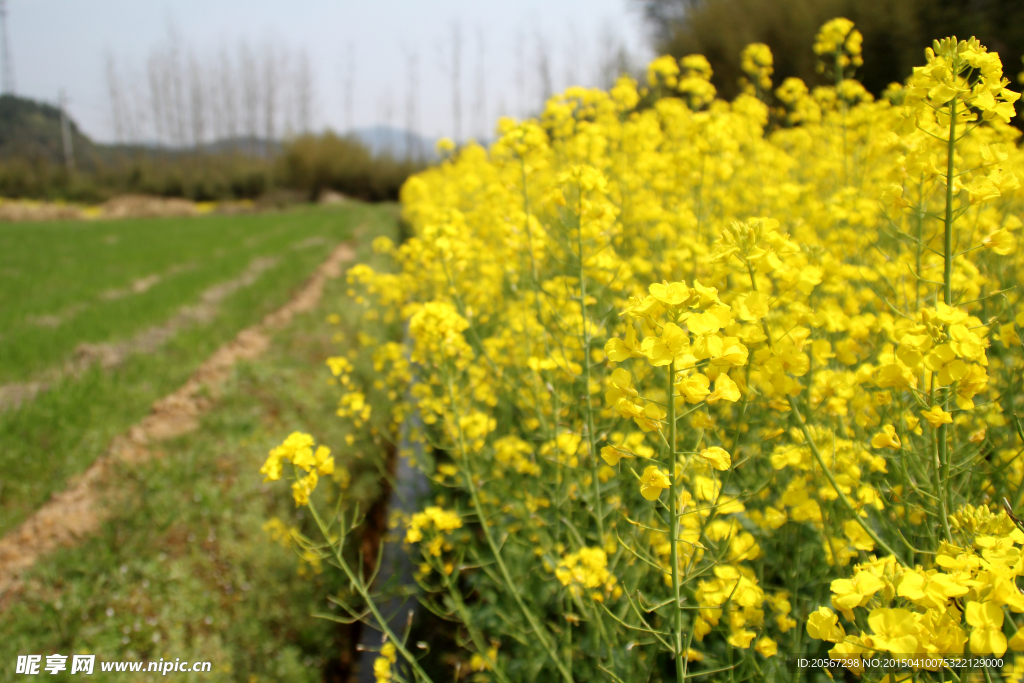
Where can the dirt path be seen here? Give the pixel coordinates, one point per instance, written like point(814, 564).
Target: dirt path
point(112, 354)
point(78, 510)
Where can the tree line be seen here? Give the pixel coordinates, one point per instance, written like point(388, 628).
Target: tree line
point(895, 32)
point(181, 98)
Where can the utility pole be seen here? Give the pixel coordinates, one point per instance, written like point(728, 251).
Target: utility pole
point(5, 52)
point(65, 134)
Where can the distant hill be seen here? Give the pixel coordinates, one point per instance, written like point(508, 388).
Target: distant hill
point(395, 142)
point(30, 131)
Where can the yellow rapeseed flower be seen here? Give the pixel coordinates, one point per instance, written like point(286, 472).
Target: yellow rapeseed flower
point(886, 438)
point(653, 482)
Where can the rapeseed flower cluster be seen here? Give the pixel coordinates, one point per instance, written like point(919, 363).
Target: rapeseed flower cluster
point(733, 373)
point(298, 449)
point(961, 601)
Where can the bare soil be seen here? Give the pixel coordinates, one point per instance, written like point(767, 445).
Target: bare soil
point(112, 354)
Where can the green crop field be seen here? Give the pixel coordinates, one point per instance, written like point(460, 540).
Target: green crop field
point(69, 282)
point(197, 282)
point(184, 568)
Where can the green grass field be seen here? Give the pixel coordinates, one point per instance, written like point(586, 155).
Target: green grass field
point(52, 268)
point(65, 283)
point(184, 568)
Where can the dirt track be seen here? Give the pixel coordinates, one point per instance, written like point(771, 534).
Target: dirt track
point(78, 510)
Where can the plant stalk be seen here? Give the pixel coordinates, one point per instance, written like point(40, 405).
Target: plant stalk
point(677, 636)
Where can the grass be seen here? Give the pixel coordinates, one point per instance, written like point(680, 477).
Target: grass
point(185, 570)
point(68, 282)
point(62, 431)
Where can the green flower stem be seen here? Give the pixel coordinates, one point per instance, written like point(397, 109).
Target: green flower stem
point(364, 592)
point(591, 442)
point(835, 486)
point(474, 633)
point(467, 473)
point(677, 636)
point(817, 454)
point(947, 293)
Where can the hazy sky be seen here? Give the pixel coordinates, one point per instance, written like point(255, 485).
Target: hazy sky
point(64, 44)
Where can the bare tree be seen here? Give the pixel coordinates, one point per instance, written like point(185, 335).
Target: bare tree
point(189, 98)
point(174, 82)
point(135, 101)
point(542, 54)
point(214, 99)
point(155, 78)
point(7, 83)
point(411, 150)
point(573, 58)
point(285, 91)
point(228, 96)
point(303, 92)
point(271, 90)
point(117, 103)
point(451, 66)
point(613, 60)
point(198, 104)
point(250, 94)
point(480, 89)
point(350, 75)
point(521, 105)
point(386, 113)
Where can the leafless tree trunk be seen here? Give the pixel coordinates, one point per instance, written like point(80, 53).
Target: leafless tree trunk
point(117, 103)
point(614, 60)
point(480, 94)
point(135, 108)
point(521, 74)
point(214, 98)
point(386, 113)
point(7, 67)
point(573, 58)
point(271, 92)
point(412, 150)
point(287, 107)
point(175, 87)
point(197, 101)
point(250, 95)
point(303, 93)
point(228, 96)
point(453, 69)
point(543, 65)
point(155, 77)
point(350, 75)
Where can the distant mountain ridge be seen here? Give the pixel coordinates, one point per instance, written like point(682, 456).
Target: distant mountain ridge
point(396, 142)
point(31, 131)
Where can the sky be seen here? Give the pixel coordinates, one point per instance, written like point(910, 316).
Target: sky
point(394, 57)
